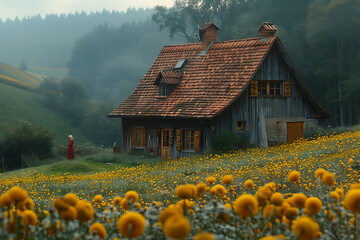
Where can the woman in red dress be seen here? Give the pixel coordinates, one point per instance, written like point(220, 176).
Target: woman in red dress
point(70, 151)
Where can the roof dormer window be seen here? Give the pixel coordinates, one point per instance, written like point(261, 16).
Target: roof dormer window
point(164, 88)
point(167, 81)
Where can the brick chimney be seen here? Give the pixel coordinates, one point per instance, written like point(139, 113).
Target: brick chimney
point(208, 34)
point(267, 29)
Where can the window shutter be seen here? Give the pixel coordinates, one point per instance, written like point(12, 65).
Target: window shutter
point(133, 137)
point(143, 137)
point(287, 89)
point(171, 139)
point(179, 139)
point(253, 88)
point(197, 141)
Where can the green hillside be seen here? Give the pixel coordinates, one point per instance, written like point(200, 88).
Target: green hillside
point(18, 104)
point(16, 77)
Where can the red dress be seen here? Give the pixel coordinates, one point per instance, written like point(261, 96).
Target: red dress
point(70, 151)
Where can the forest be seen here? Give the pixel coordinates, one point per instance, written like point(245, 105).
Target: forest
point(109, 52)
point(321, 36)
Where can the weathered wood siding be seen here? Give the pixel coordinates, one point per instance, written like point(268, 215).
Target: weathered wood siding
point(153, 137)
point(248, 109)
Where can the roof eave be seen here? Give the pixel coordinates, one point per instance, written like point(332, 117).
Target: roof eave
point(149, 116)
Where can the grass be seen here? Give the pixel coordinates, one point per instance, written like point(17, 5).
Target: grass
point(89, 175)
point(14, 73)
point(18, 105)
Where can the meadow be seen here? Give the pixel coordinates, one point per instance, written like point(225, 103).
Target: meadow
point(279, 193)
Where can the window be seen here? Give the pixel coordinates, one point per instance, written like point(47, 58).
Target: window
point(139, 137)
point(240, 126)
point(187, 139)
point(163, 89)
point(166, 89)
point(269, 88)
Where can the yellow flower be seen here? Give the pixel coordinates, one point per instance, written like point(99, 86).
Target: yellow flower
point(210, 180)
point(319, 173)
point(201, 188)
point(31, 217)
point(176, 227)
point(28, 204)
point(18, 194)
point(313, 205)
point(131, 222)
point(268, 238)
point(294, 176)
point(340, 192)
point(218, 190)
point(98, 229)
point(277, 199)
point(71, 199)
point(85, 211)
point(184, 192)
point(6, 200)
point(352, 200)
point(188, 204)
point(204, 236)
point(170, 211)
point(291, 213)
point(227, 179)
point(328, 178)
point(69, 214)
point(298, 200)
point(61, 204)
point(124, 204)
point(246, 205)
point(305, 228)
point(248, 184)
point(117, 200)
point(98, 199)
point(132, 196)
point(269, 211)
point(334, 195)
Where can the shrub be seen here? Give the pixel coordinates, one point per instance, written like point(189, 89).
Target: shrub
point(28, 140)
point(79, 149)
point(225, 141)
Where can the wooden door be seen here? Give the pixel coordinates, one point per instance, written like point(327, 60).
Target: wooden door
point(295, 131)
point(165, 144)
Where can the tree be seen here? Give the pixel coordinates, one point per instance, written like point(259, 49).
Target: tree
point(23, 66)
point(186, 16)
point(333, 33)
point(74, 99)
point(99, 128)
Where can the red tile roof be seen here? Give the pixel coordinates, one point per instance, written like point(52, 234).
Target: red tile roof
point(170, 76)
point(267, 26)
point(209, 83)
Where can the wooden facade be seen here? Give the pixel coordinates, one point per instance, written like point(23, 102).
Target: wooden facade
point(275, 106)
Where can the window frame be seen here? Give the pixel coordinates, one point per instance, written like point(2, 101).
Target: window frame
point(191, 143)
point(139, 132)
point(270, 89)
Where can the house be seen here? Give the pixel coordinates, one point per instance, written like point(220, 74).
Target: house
point(195, 91)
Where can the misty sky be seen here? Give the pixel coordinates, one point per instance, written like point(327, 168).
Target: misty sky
point(24, 8)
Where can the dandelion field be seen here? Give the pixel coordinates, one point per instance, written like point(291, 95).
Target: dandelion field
point(294, 191)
